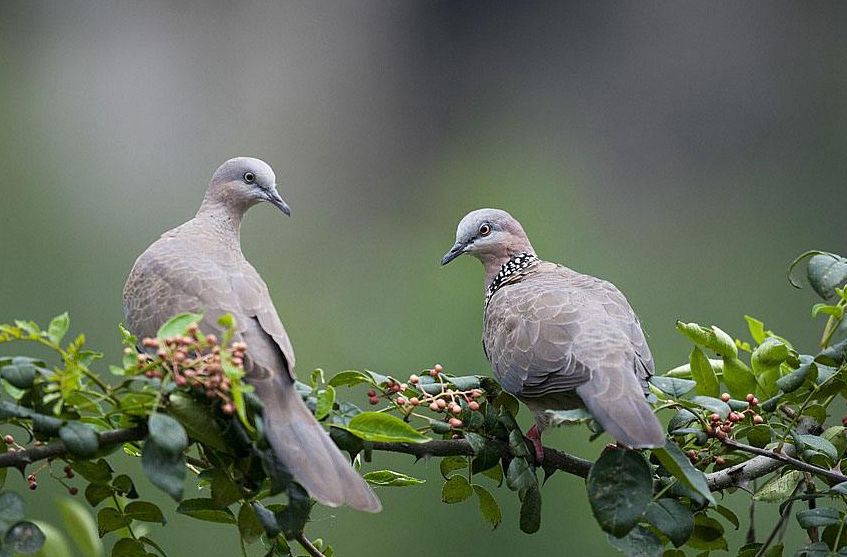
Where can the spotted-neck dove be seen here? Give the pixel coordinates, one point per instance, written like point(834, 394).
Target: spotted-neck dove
point(199, 267)
point(558, 339)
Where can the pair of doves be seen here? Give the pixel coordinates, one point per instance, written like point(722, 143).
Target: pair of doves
point(555, 338)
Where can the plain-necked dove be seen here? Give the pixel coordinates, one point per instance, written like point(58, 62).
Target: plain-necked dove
point(199, 267)
point(558, 339)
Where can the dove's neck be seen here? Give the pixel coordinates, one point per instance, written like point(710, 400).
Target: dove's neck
point(509, 271)
point(223, 220)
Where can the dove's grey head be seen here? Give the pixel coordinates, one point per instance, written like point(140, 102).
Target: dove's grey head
point(242, 182)
point(490, 235)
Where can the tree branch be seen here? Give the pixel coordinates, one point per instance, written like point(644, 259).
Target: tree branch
point(20, 459)
point(553, 459)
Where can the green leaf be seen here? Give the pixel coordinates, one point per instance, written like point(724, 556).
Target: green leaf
point(712, 338)
point(198, 421)
point(80, 439)
point(672, 519)
point(817, 444)
point(730, 516)
point(826, 272)
point(390, 478)
point(20, 373)
point(377, 426)
point(178, 325)
point(109, 520)
point(127, 547)
point(818, 518)
point(789, 383)
point(124, 486)
point(58, 328)
point(97, 493)
point(98, 472)
point(249, 525)
point(772, 351)
point(675, 462)
point(620, 486)
point(206, 509)
point(757, 329)
point(168, 434)
point(739, 378)
point(456, 489)
point(711, 404)
point(80, 525)
point(708, 533)
point(11, 509)
point(488, 506)
point(224, 491)
point(703, 374)
point(350, 378)
point(165, 471)
point(326, 399)
point(530, 520)
point(450, 464)
point(779, 488)
point(639, 542)
point(520, 475)
point(144, 511)
point(567, 417)
point(25, 538)
point(673, 386)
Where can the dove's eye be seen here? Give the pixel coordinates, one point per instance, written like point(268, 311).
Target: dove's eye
point(485, 229)
point(249, 177)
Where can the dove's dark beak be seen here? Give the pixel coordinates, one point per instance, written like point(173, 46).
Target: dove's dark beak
point(277, 201)
point(457, 250)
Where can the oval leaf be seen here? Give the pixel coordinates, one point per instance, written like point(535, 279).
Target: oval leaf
point(378, 426)
point(178, 325)
point(390, 478)
point(675, 462)
point(620, 486)
point(168, 434)
point(672, 519)
point(206, 509)
point(25, 538)
point(703, 374)
point(80, 439)
point(456, 490)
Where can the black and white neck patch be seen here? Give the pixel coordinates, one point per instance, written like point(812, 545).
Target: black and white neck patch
point(514, 265)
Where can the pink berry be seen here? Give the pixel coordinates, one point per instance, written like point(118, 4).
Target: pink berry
point(455, 422)
point(437, 368)
point(414, 401)
point(434, 407)
point(758, 419)
point(414, 379)
point(473, 405)
point(442, 404)
point(373, 400)
point(402, 401)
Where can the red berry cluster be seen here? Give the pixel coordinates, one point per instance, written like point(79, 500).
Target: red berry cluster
point(721, 428)
point(448, 401)
point(194, 361)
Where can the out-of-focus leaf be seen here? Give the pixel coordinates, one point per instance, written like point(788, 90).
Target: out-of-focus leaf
point(24, 537)
point(81, 527)
point(80, 439)
point(168, 434)
point(11, 509)
point(56, 544)
point(166, 471)
point(378, 426)
point(620, 486)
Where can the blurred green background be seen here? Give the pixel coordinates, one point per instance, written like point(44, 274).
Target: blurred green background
point(685, 151)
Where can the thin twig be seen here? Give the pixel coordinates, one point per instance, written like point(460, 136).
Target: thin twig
point(309, 546)
point(787, 460)
point(20, 459)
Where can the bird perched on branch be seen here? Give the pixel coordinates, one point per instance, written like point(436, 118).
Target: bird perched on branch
point(558, 339)
point(199, 267)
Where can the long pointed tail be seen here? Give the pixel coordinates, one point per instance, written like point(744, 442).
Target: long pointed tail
point(624, 414)
point(307, 450)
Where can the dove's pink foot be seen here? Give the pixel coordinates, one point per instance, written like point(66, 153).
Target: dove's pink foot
point(535, 436)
